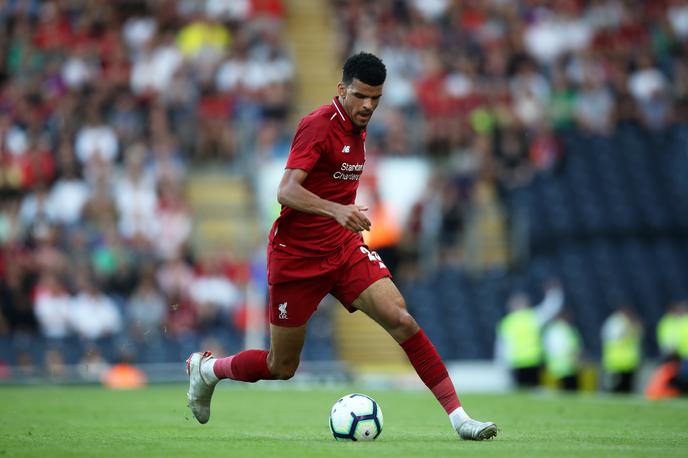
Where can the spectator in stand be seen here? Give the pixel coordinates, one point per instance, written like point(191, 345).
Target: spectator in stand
point(47, 253)
point(212, 291)
point(146, 309)
point(594, 105)
point(93, 315)
point(175, 277)
point(174, 220)
point(37, 162)
point(34, 213)
point(530, 92)
point(203, 38)
point(108, 254)
point(10, 225)
point(545, 151)
point(155, 64)
point(67, 196)
point(96, 139)
point(166, 160)
point(51, 304)
point(562, 102)
point(127, 117)
point(136, 198)
point(649, 87)
point(100, 211)
point(511, 159)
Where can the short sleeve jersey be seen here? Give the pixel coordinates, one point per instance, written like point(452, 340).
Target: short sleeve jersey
point(331, 149)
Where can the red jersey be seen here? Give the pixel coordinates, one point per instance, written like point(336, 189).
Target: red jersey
point(331, 149)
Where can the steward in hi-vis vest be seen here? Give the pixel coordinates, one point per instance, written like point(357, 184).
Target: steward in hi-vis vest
point(519, 335)
point(621, 349)
point(563, 349)
point(670, 328)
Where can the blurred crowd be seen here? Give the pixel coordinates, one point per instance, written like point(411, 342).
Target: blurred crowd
point(485, 88)
point(104, 106)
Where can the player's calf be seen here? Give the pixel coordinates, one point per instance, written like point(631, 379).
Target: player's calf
point(282, 369)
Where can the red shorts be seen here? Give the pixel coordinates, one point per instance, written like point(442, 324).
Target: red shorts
point(298, 284)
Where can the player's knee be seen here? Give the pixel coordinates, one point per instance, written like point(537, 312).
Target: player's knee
point(403, 326)
point(406, 323)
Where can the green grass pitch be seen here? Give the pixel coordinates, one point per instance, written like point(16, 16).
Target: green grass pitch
point(261, 421)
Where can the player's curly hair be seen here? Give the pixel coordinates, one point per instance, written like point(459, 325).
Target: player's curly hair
point(365, 67)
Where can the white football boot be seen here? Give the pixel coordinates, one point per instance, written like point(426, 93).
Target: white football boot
point(474, 430)
point(200, 389)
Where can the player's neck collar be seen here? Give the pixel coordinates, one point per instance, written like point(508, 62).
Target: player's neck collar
point(344, 117)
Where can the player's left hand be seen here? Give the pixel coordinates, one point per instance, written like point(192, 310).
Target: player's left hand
point(352, 217)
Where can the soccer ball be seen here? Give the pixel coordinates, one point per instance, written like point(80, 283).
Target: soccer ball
point(356, 417)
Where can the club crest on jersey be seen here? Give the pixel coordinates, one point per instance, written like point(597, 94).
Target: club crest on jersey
point(282, 311)
point(346, 149)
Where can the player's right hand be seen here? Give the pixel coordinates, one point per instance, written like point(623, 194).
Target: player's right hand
point(352, 217)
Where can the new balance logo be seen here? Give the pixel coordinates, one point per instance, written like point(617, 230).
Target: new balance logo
point(346, 149)
point(282, 311)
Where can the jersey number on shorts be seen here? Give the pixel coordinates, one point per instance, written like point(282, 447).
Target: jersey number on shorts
point(373, 256)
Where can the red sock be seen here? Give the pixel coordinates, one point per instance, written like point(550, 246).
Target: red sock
point(431, 370)
point(246, 366)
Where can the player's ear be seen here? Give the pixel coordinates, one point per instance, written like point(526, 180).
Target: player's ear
point(341, 89)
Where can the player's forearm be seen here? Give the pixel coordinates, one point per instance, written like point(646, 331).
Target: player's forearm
point(299, 198)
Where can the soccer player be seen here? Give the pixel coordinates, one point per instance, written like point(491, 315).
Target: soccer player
point(316, 248)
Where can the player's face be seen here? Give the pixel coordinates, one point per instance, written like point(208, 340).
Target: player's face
point(359, 100)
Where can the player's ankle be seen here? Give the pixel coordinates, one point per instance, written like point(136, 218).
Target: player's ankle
point(208, 371)
point(457, 417)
